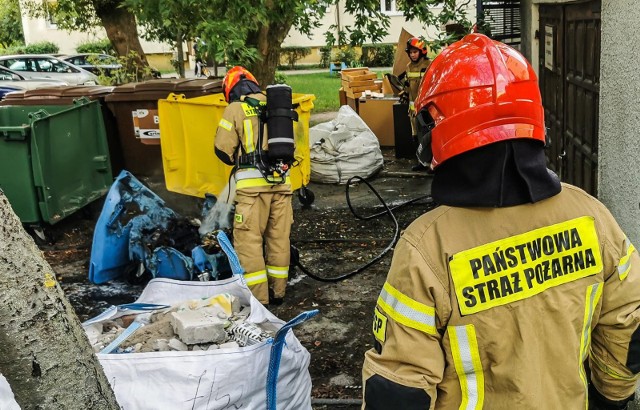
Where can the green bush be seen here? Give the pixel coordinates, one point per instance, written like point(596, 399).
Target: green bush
point(130, 71)
point(103, 46)
point(378, 55)
point(17, 49)
point(293, 54)
point(346, 55)
point(43, 47)
point(325, 56)
point(280, 78)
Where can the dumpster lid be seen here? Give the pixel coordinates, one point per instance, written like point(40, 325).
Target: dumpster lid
point(208, 86)
point(46, 92)
point(87, 91)
point(163, 84)
point(57, 93)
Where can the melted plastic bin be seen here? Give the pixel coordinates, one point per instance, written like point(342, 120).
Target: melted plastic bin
point(135, 107)
point(54, 159)
point(188, 128)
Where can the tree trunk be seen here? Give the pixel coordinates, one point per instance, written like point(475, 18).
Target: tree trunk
point(121, 28)
point(180, 56)
point(44, 353)
point(268, 41)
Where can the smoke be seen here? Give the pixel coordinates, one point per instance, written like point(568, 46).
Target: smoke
point(219, 216)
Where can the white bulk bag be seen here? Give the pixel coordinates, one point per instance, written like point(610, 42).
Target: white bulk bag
point(7, 401)
point(343, 148)
point(215, 379)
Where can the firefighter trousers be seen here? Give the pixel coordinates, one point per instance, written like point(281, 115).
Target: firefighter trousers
point(261, 229)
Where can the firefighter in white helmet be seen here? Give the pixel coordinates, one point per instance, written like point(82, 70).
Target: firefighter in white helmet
point(263, 213)
point(517, 292)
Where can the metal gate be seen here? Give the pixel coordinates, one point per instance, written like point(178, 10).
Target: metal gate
point(569, 70)
point(502, 19)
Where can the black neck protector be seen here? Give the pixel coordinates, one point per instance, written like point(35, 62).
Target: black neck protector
point(503, 174)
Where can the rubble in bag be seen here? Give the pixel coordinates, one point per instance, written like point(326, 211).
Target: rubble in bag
point(342, 148)
point(139, 236)
point(217, 322)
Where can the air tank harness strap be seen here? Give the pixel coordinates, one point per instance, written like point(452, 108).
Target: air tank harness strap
point(282, 112)
point(250, 160)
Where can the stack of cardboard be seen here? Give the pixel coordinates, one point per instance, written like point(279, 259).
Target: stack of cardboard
point(355, 81)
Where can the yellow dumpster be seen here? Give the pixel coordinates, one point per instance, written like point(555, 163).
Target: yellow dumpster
point(187, 133)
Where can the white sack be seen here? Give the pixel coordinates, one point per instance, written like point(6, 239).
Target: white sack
point(343, 148)
point(199, 380)
point(7, 400)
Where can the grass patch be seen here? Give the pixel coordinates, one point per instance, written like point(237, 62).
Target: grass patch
point(324, 86)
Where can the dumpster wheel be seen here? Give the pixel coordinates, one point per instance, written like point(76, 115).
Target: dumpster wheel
point(306, 196)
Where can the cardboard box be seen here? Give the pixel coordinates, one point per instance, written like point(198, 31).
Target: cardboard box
point(342, 96)
point(353, 103)
point(377, 113)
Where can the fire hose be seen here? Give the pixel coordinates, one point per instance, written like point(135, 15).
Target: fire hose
point(387, 211)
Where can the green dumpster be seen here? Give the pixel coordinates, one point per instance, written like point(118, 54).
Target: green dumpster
point(64, 95)
point(54, 159)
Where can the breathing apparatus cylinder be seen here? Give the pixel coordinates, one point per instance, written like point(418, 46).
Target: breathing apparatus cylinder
point(279, 117)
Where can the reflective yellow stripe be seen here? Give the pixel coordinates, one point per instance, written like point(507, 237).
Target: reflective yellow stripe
point(251, 178)
point(609, 371)
point(278, 272)
point(624, 266)
point(407, 311)
point(248, 135)
point(255, 278)
point(466, 358)
point(591, 300)
point(225, 124)
point(415, 74)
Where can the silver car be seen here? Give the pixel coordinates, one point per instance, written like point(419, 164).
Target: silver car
point(14, 79)
point(46, 66)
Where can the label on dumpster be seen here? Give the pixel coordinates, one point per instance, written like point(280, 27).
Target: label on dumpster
point(146, 125)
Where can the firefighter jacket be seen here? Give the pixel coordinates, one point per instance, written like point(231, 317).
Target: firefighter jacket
point(415, 73)
point(499, 308)
point(237, 135)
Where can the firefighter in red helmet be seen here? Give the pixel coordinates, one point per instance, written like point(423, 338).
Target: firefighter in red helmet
point(263, 213)
point(518, 291)
point(418, 63)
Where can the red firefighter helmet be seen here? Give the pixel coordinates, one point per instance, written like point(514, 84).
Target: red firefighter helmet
point(478, 92)
point(232, 77)
point(415, 42)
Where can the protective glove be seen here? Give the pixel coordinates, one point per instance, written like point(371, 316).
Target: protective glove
point(404, 97)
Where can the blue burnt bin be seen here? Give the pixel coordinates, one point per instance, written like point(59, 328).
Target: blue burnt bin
point(137, 236)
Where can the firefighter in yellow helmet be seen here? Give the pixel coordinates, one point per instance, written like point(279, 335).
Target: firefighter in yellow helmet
point(263, 213)
point(418, 63)
point(517, 292)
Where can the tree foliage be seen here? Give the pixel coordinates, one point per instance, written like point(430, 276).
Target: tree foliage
point(251, 32)
point(453, 11)
point(10, 24)
point(85, 15)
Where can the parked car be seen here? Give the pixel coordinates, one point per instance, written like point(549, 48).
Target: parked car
point(6, 89)
point(11, 78)
point(38, 66)
point(99, 63)
point(95, 63)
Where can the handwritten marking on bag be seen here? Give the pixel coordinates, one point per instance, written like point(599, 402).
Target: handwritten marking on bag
point(218, 400)
point(521, 266)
